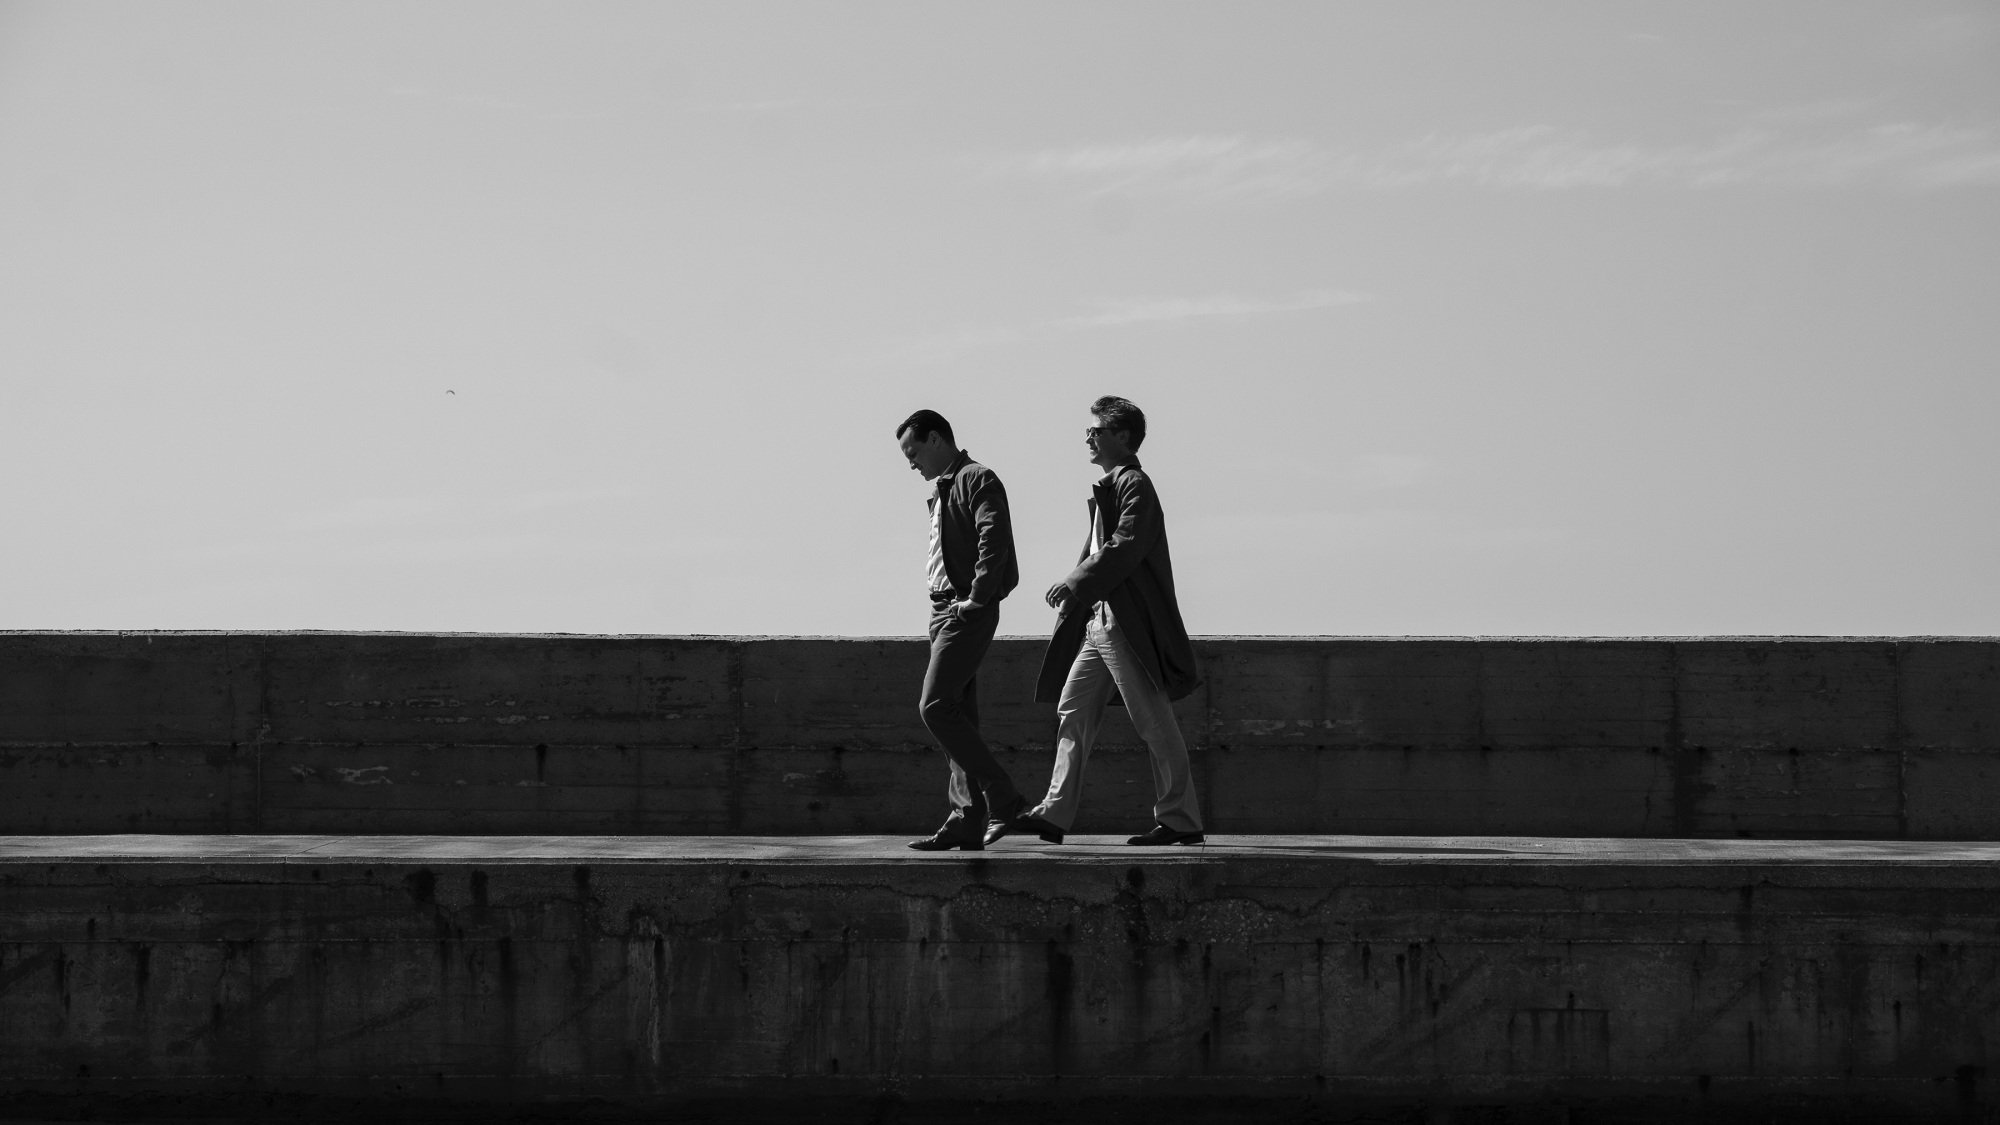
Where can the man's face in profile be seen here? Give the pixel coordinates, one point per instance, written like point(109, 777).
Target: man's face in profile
point(929, 456)
point(1107, 447)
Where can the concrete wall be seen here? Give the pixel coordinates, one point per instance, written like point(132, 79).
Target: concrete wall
point(1441, 975)
point(221, 732)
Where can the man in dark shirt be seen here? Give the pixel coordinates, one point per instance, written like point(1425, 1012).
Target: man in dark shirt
point(1119, 637)
point(970, 568)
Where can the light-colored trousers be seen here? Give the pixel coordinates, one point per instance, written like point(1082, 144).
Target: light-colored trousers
point(1107, 660)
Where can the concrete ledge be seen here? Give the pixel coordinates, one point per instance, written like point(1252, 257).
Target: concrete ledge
point(1876, 738)
point(1674, 977)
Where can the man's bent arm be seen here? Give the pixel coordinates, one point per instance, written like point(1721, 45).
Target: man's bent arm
point(1139, 526)
point(996, 540)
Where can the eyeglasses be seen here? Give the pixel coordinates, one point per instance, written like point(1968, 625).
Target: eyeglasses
point(1097, 431)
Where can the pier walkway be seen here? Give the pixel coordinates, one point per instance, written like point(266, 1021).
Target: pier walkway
point(1645, 979)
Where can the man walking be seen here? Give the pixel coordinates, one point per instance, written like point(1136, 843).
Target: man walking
point(971, 567)
point(1119, 633)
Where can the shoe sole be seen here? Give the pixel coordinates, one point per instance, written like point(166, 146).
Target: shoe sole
point(1045, 837)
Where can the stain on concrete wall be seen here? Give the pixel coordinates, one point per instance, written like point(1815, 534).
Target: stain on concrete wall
point(1321, 976)
point(229, 732)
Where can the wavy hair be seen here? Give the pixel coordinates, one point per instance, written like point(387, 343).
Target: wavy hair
point(1114, 413)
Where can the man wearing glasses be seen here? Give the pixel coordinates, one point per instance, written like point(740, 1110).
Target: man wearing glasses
point(970, 568)
point(1119, 637)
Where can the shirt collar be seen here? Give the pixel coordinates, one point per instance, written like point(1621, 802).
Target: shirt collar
point(951, 470)
point(1131, 462)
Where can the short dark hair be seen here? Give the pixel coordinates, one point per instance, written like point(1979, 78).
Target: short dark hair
point(1121, 414)
point(926, 423)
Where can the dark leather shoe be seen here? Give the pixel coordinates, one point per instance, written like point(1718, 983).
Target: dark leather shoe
point(1039, 827)
point(1035, 824)
point(943, 843)
point(1161, 834)
point(1001, 821)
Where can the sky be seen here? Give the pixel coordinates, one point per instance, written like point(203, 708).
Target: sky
point(1533, 318)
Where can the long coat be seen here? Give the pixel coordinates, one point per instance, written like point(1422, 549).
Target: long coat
point(1134, 572)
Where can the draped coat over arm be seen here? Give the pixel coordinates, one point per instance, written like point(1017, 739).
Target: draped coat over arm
point(1134, 573)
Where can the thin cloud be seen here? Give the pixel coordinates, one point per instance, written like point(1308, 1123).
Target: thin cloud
point(1544, 158)
point(1905, 155)
point(764, 105)
point(1396, 533)
point(1364, 474)
point(941, 346)
point(378, 512)
point(1122, 313)
point(1378, 472)
point(1118, 313)
point(1235, 168)
point(606, 100)
point(1917, 156)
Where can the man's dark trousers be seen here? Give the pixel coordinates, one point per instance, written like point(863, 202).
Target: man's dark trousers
point(950, 707)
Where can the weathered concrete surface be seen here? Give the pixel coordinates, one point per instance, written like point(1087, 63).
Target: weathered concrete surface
point(1657, 978)
point(346, 732)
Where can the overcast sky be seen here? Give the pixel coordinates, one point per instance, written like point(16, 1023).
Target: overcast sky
point(1449, 318)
